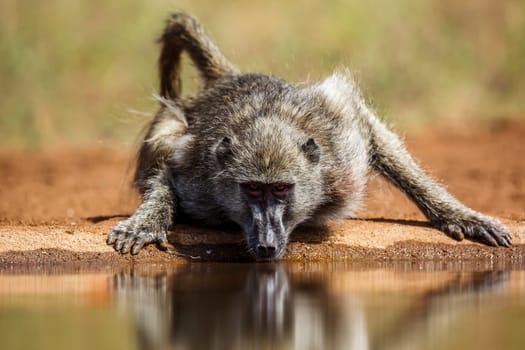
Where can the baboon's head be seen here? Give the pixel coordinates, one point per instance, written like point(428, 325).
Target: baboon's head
point(271, 174)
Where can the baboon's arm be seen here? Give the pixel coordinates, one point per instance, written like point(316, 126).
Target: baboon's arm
point(184, 33)
point(151, 220)
point(390, 157)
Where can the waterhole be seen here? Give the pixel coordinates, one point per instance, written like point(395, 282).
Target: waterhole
point(427, 305)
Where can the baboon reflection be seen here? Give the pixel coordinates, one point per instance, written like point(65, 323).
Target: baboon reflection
point(263, 306)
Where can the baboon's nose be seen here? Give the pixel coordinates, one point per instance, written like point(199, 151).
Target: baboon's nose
point(266, 251)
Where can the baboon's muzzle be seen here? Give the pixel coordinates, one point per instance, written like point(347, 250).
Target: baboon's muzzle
point(266, 234)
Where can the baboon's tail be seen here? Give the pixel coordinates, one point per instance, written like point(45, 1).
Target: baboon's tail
point(184, 33)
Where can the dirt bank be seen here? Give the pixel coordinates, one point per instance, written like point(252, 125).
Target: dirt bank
point(58, 205)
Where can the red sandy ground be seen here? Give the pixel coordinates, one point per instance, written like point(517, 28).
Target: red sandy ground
point(58, 205)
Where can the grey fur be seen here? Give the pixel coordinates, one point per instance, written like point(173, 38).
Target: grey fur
point(224, 154)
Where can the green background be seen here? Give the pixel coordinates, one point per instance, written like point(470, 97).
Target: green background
point(83, 72)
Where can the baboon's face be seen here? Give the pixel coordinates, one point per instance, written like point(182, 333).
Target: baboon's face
point(266, 225)
point(269, 180)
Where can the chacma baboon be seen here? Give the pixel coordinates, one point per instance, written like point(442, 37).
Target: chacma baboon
point(268, 155)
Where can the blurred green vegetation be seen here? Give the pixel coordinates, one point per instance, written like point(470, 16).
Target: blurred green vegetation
point(75, 72)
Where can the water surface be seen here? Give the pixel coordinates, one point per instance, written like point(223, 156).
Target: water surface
point(426, 305)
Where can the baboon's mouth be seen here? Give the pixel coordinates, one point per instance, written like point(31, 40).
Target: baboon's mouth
point(264, 256)
point(264, 253)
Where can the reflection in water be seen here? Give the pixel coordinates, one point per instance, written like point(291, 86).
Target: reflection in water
point(242, 306)
point(435, 311)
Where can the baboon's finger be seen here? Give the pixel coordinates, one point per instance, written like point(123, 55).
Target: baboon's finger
point(139, 243)
point(128, 243)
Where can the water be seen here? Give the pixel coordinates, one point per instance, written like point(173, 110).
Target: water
point(266, 306)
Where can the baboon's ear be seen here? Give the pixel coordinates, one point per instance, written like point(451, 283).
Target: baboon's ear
point(223, 151)
point(312, 150)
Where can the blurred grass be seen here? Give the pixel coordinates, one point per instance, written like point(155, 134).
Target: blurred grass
point(72, 72)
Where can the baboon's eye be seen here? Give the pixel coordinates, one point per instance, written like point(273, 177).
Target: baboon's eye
point(280, 190)
point(253, 189)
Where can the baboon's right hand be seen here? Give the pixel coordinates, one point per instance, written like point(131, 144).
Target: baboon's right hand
point(476, 227)
point(135, 232)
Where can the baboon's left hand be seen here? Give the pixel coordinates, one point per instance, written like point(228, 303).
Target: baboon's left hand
point(476, 227)
point(133, 233)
